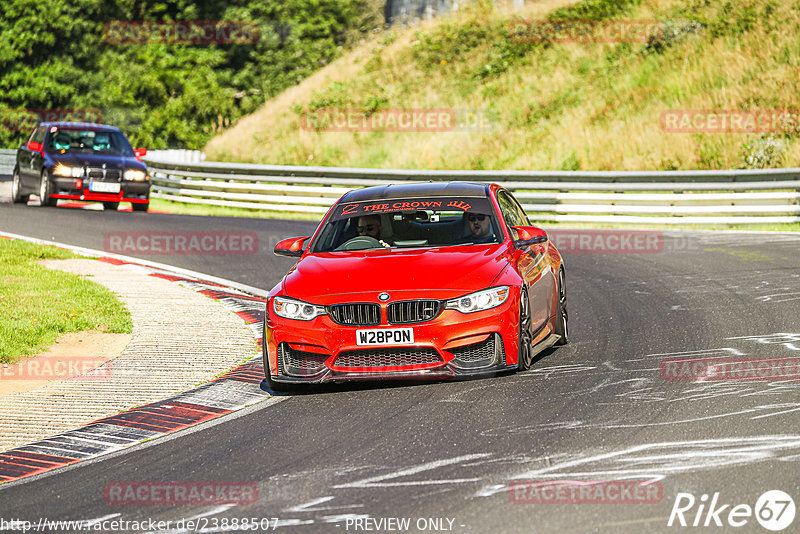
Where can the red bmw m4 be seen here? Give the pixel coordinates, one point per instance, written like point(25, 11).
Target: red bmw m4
point(420, 280)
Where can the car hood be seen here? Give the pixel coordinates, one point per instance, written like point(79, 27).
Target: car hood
point(437, 273)
point(87, 159)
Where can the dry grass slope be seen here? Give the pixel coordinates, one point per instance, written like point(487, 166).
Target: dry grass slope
point(572, 106)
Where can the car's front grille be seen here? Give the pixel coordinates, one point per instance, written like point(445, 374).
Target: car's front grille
point(356, 314)
point(293, 362)
point(393, 357)
point(413, 311)
point(481, 354)
point(104, 175)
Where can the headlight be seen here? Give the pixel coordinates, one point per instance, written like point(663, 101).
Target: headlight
point(70, 172)
point(297, 309)
point(134, 175)
point(479, 301)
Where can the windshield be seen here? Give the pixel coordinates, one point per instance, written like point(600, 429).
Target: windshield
point(357, 228)
point(113, 143)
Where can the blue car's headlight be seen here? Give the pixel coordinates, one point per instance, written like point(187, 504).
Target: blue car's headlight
point(480, 300)
point(297, 309)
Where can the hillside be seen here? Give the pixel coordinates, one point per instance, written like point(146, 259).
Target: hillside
point(551, 104)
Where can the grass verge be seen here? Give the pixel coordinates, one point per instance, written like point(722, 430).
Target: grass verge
point(38, 304)
point(182, 208)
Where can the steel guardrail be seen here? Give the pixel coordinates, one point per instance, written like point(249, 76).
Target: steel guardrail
point(8, 158)
point(734, 196)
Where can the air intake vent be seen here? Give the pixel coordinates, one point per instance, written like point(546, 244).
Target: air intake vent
point(293, 362)
point(356, 314)
point(413, 311)
point(394, 357)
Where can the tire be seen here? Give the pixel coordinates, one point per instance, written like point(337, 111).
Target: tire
point(45, 190)
point(140, 207)
point(525, 357)
point(111, 206)
point(17, 197)
point(562, 315)
point(278, 387)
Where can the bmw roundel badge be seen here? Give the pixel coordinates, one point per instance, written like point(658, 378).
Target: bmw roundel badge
point(383, 297)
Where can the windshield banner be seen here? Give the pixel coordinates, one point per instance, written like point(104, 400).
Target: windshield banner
point(357, 209)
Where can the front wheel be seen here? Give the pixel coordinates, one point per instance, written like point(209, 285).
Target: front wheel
point(525, 357)
point(278, 387)
point(16, 189)
point(45, 191)
point(111, 206)
point(562, 317)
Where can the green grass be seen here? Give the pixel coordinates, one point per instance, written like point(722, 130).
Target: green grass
point(38, 304)
point(548, 104)
point(182, 208)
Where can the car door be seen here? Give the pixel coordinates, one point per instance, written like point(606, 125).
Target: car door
point(30, 162)
point(531, 263)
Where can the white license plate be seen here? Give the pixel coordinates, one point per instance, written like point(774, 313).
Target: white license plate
point(103, 187)
point(385, 336)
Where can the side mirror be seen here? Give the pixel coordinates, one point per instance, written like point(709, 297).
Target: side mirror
point(528, 235)
point(140, 153)
point(33, 146)
point(292, 246)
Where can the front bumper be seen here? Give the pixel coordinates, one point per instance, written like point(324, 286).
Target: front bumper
point(452, 345)
point(133, 192)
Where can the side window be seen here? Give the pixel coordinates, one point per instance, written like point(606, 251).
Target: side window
point(37, 136)
point(511, 210)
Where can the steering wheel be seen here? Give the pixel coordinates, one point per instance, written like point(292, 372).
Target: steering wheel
point(361, 242)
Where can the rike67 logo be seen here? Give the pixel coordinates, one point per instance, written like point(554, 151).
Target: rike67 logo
point(774, 510)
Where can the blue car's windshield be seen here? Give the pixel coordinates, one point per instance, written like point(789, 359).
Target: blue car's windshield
point(112, 143)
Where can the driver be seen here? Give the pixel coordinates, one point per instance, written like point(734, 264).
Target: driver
point(480, 226)
point(370, 225)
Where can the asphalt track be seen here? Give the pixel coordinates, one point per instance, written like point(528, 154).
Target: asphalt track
point(598, 409)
